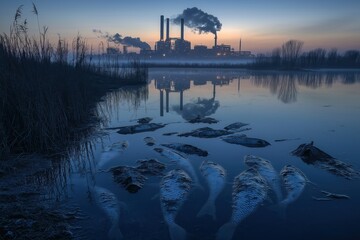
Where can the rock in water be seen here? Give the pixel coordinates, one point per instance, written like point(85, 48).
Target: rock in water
point(267, 171)
point(215, 177)
point(249, 191)
point(205, 132)
point(146, 127)
point(313, 155)
point(186, 148)
point(108, 202)
point(235, 126)
point(174, 189)
point(243, 140)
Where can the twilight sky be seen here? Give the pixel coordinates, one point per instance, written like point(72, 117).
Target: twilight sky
point(262, 24)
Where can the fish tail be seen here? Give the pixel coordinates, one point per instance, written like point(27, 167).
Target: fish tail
point(115, 233)
point(226, 231)
point(208, 209)
point(177, 232)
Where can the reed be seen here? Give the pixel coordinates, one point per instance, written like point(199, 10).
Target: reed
point(48, 94)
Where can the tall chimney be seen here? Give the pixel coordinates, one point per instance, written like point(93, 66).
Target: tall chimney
point(182, 29)
point(215, 38)
point(161, 27)
point(167, 28)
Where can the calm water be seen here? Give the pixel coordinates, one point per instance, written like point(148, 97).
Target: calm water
point(322, 107)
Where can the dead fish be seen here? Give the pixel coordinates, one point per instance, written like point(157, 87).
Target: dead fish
point(249, 191)
point(313, 155)
point(146, 127)
point(186, 148)
point(235, 125)
point(200, 119)
point(149, 141)
point(181, 161)
point(242, 139)
point(174, 189)
point(295, 182)
point(170, 133)
point(108, 202)
point(206, 132)
point(267, 171)
point(215, 177)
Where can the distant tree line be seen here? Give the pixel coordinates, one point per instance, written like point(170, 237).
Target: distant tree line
point(289, 56)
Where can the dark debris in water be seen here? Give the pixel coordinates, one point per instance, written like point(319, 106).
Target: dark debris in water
point(137, 128)
point(133, 178)
point(246, 141)
point(331, 196)
point(314, 156)
point(236, 125)
point(186, 148)
point(206, 132)
point(144, 120)
point(170, 133)
point(200, 119)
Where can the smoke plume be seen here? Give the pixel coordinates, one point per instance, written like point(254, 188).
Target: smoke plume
point(127, 41)
point(199, 21)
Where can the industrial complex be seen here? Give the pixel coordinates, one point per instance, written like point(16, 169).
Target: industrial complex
point(168, 46)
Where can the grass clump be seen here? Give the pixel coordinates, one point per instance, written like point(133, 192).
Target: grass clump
point(48, 93)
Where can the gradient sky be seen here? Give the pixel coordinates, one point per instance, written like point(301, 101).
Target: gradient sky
point(262, 24)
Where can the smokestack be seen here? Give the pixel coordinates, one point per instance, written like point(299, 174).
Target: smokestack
point(240, 46)
point(161, 27)
point(182, 29)
point(167, 28)
point(215, 38)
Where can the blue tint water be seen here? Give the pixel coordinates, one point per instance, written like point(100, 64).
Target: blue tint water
point(321, 107)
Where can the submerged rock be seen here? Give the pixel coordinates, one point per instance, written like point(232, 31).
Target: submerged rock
point(242, 139)
point(205, 132)
point(133, 178)
point(200, 119)
point(186, 148)
point(313, 155)
point(235, 126)
point(146, 127)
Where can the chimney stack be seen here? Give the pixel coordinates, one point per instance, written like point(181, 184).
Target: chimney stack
point(167, 28)
point(161, 27)
point(182, 29)
point(215, 38)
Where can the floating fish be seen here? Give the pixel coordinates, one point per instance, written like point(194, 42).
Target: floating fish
point(150, 167)
point(149, 141)
point(242, 139)
point(174, 189)
point(144, 120)
point(200, 119)
point(236, 125)
point(267, 171)
point(186, 148)
point(170, 133)
point(215, 176)
point(294, 181)
point(181, 161)
point(108, 202)
point(249, 191)
point(313, 155)
point(206, 132)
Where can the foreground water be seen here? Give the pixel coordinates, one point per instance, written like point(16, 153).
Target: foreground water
point(285, 109)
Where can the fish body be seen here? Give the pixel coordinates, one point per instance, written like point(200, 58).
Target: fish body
point(294, 181)
point(235, 126)
point(174, 189)
point(242, 139)
point(267, 171)
point(215, 176)
point(108, 202)
point(150, 141)
point(186, 148)
point(181, 161)
point(145, 127)
point(206, 132)
point(249, 191)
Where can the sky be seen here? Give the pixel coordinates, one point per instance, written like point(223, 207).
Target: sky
point(261, 24)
